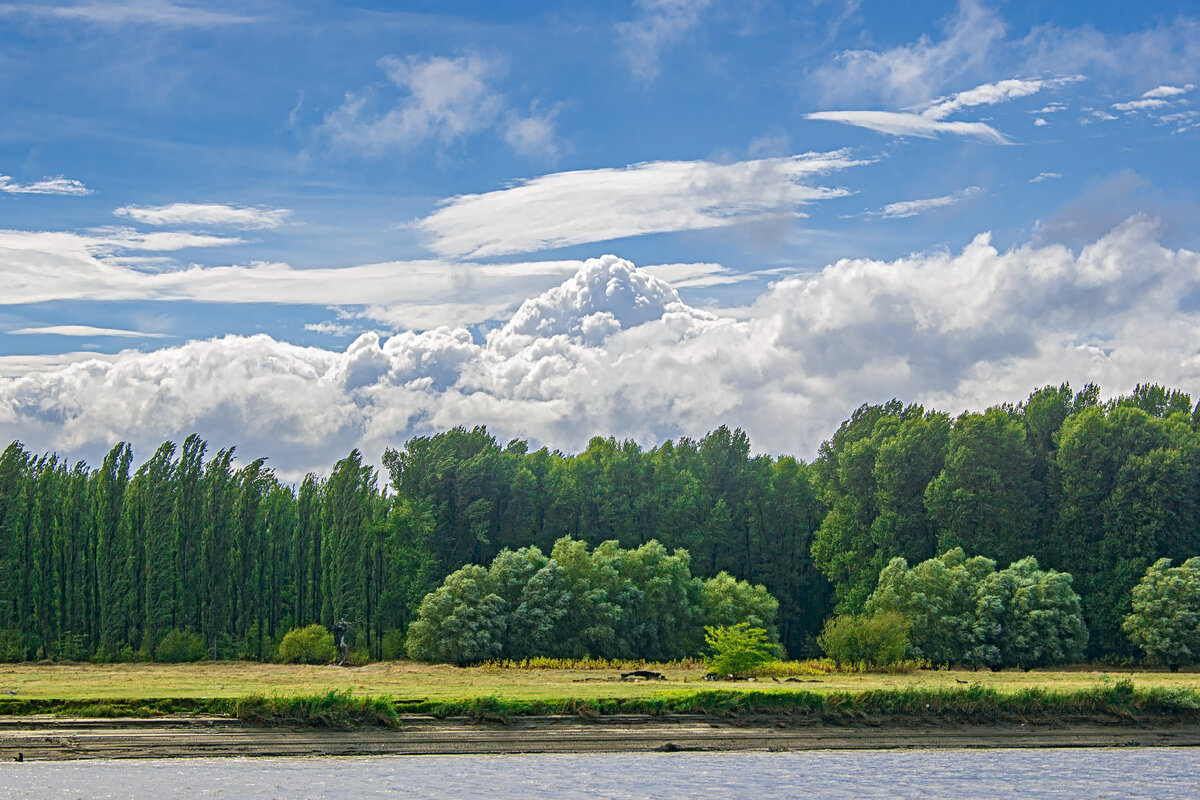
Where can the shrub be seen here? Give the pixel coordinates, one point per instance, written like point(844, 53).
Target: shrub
point(737, 649)
point(392, 646)
point(311, 645)
point(877, 640)
point(1165, 621)
point(12, 645)
point(180, 646)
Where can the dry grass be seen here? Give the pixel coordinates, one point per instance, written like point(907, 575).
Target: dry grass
point(404, 680)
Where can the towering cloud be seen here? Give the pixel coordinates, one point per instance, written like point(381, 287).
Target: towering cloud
point(613, 350)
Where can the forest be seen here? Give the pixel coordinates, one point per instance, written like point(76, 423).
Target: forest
point(105, 562)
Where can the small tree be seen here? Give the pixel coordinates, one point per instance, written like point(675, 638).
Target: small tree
point(1028, 617)
point(1165, 621)
point(876, 640)
point(311, 645)
point(938, 599)
point(736, 649)
point(179, 646)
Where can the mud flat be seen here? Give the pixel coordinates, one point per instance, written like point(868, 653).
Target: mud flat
point(58, 738)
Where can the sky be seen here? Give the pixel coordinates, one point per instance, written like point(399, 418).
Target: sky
point(305, 227)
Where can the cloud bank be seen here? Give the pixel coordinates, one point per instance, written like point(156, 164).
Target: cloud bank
point(613, 350)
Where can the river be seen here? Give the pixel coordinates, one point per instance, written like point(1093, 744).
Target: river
point(1163, 773)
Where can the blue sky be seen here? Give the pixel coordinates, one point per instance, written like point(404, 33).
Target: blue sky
point(303, 227)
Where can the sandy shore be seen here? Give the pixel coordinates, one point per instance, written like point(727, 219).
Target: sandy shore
point(57, 738)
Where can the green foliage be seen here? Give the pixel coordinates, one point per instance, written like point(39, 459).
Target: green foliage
point(736, 649)
point(608, 603)
point(727, 601)
point(179, 646)
point(12, 645)
point(1028, 617)
point(392, 646)
point(960, 610)
point(312, 644)
point(875, 640)
point(1165, 621)
point(938, 599)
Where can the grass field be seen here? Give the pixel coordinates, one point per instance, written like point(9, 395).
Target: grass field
point(408, 681)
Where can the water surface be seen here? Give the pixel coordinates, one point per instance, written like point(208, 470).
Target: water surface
point(1094, 774)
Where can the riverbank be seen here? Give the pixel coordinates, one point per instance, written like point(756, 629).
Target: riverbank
point(61, 738)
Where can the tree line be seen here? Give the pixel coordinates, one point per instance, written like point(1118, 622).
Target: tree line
point(105, 562)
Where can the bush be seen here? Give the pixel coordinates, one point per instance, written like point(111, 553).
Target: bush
point(392, 646)
point(877, 640)
point(737, 649)
point(12, 645)
point(180, 646)
point(311, 645)
point(1165, 621)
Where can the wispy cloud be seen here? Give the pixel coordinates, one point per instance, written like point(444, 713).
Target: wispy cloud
point(1169, 91)
point(1045, 176)
point(991, 93)
point(38, 267)
point(567, 208)
point(911, 208)
point(659, 24)
point(124, 12)
point(444, 100)
point(86, 330)
point(911, 73)
point(207, 215)
point(59, 185)
point(929, 119)
point(899, 123)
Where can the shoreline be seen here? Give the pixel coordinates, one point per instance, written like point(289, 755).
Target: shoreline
point(44, 738)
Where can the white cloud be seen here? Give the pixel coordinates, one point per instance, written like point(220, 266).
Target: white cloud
point(660, 24)
point(914, 72)
point(911, 208)
point(58, 185)
point(534, 135)
point(40, 267)
point(614, 351)
point(1045, 176)
point(992, 93)
point(1140, 105)
point(1040, 123)
point(217, 215)
point(903, 124)
point(86, 330)
point(115, 12)
point(566, 208)
point(1168, 91)
point(446, 99)
point(697, 276)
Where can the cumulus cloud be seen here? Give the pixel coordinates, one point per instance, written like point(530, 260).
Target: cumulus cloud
point(613, 350)
point(659, 24)
point(214, 215)
point(566, 208)
point(1168, 91)
point(58, 185)
point(911, 208)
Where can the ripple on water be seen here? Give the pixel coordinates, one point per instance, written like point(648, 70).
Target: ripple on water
point(1094, 774)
